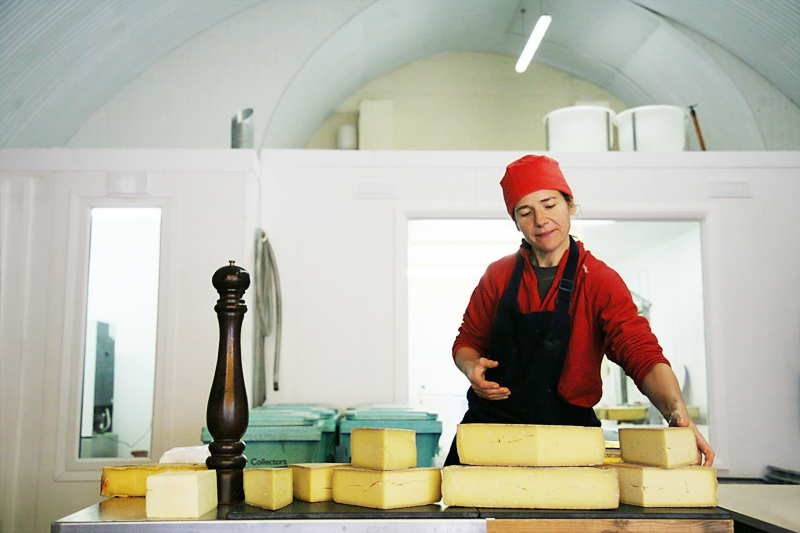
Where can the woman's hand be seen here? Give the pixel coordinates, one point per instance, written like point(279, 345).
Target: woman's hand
point(474, 367)
point(706, 455)
point(661, 387)
point(485, 389)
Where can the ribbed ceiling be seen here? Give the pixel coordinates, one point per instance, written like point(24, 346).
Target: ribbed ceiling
point(61, 59)
point(765, 34)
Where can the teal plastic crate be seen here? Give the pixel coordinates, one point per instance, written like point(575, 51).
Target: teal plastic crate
point(282, 436)
point(426, 425)
point(327, 413)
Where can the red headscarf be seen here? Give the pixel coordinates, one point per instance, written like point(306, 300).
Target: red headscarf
point(529, 174)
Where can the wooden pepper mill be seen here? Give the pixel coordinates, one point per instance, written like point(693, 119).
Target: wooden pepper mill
point(227, 413)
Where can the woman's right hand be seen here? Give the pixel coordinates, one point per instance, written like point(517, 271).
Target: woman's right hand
point(476, 372)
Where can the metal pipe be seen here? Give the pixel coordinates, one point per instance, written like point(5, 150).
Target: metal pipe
point(242, 129)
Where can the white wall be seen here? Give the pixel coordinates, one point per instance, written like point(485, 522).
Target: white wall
point(468, 101)
point(342, 261)
point(337, 221)
point(208, 202)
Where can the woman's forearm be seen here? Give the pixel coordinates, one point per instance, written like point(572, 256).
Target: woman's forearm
point(662, 388)
point(465, 359)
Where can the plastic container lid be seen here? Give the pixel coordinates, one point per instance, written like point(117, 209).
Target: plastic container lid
point(270, 417)
point(389, 414)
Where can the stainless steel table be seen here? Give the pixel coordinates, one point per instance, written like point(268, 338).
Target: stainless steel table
point(127, 515)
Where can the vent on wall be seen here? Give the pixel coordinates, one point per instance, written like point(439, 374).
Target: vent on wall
point(729, 189)
point(376, 190)
point(127, 184)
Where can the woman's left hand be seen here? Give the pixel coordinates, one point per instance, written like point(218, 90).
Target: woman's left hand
point(661, 387)
point(706, 456)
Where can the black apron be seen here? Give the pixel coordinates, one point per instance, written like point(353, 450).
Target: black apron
point(531, 349)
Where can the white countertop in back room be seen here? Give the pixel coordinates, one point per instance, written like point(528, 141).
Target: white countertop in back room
point(774, 505)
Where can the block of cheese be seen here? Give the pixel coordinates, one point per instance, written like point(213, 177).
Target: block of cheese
point(124, 481)
point(622, 412)
point(663, 446)
point(312, 482)
point(387, 489)
point(650, 486)
point(270, 488)
point(383, 448)
point(184, 494)
point(612, 452)
point(529, 445)
point(524, 487)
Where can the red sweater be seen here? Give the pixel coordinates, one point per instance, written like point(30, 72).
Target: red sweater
point(604, 321)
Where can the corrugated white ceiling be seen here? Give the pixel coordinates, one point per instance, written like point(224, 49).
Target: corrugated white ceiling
point(765, 34)
point(61, 59)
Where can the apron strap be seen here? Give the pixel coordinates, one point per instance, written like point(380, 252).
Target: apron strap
point(567, 283)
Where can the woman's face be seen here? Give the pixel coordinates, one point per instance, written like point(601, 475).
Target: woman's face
point(543, 219)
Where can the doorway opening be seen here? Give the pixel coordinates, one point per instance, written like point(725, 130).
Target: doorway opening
point(660, 261)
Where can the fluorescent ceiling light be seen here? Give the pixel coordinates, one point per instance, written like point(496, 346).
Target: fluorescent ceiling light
point(533, 43)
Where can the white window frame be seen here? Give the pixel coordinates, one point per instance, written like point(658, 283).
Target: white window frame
point(69, 466)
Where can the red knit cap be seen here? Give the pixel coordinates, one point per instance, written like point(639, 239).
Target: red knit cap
point(529, 174)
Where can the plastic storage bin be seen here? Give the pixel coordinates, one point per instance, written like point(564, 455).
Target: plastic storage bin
point(327, 413)
point(279, 436)
point(428, 428)
point(652, 128)
point(580, 128)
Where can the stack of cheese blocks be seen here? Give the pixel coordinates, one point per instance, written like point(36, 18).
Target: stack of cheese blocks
point(530, 467)
point(384, 473)
point(171, 490)
point(658, 469)
point(508, 466)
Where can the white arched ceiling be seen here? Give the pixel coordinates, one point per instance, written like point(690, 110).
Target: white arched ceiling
point(765, 34)
point(633, 53)
point(60, 60)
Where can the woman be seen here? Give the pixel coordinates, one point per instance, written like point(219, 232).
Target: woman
point(539, 321)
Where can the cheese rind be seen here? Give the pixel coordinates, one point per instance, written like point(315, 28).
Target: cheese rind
point(269, 488)
point(387, 489)
point(520, 487)
point(383, 448)
point(313, 482)
point(529, 445)
point(649, 486)
point(184, 494)
point(125, 481)
point(666, 447)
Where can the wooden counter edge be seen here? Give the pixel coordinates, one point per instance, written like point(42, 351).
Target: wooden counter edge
point(608, 525)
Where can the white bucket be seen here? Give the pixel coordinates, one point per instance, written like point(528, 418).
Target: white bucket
point(652, 128)
point(580, 128)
